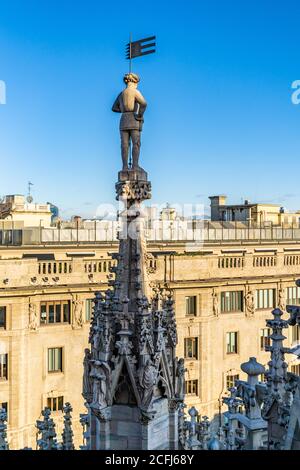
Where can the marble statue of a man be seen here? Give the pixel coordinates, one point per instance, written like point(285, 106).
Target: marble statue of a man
point(132, 105)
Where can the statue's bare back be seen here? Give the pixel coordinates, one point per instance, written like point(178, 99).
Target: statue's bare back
point(132, 105)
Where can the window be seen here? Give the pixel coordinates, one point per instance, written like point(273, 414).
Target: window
point(191, 348)
point(2, 317)
point(295, 369)
point(265, 339)
point(232, 342)
point(55, 404)
point(190, 305)
point(55, 312)
point(293, 295)
point(265, 298)
point(88, 309)
point(55, 359)
point(263, 378)
point(3, 366)
point(4, 406)
point(230, 380)
point(232, 301)
point(295, 334)
point(191, 387)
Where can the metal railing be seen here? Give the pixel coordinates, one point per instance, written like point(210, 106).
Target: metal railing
point(209, 233)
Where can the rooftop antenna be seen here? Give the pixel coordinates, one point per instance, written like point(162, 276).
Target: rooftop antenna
point(29, 198)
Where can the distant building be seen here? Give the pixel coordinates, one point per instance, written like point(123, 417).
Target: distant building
point(251, 212)
point(77, 220)
point(15, 208)
point(169, 213)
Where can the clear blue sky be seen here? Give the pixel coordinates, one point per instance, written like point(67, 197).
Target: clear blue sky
point(220, 117)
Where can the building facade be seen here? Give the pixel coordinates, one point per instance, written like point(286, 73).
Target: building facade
point(15, 208)
point(252, 213)
point(224, 291)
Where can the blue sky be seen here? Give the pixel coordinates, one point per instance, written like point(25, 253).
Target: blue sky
point(220, 117)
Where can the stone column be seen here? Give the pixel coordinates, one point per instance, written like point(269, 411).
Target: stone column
point(100, 429)
point(173, 425)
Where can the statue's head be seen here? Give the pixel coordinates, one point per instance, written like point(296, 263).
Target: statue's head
point(131, 78)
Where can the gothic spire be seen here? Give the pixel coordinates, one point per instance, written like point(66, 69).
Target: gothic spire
point(67, 435)
point(46, 429)
point(132, 360)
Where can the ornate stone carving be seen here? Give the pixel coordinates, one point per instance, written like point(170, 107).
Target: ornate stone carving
point(281, 297)
point(191, 427)
point(134, 190)
point(147, 416)
point(77, 309)
point(46, 429)
point(33, 322)
point(180, 371)
point(204, 432)
point(100, 374)
point(293, 427)
point(173, 405)
point(232, 401)
point(170, 320)
point(147, 380)
point(249, 415)
point(232, 439)
point(85, 423)
point(181, 424)
point(67, 435)
point(216, 305)
point(87, 388)
point(249, 303)
point(145, 334)
point(276, 404)
point(103, 414)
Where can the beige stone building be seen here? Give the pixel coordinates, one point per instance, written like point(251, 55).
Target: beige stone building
point(252, 213)
point(224, 290)
point(15, 208)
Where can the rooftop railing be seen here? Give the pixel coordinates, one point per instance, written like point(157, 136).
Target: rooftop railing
point(164, 231)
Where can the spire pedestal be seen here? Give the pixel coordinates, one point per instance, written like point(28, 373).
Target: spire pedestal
point(133, 382)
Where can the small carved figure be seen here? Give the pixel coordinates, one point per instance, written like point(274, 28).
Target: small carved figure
point(99, 385)
point(281, 298)
point(95, 340)
point(215, 303)
point(87, 383)
point(147, 381)
point(77, 312)
point(33, 317)
point(180, 371)
point(249, 300)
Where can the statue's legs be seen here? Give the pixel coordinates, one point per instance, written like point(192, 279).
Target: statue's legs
point(136, 145)
point(125, 148)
